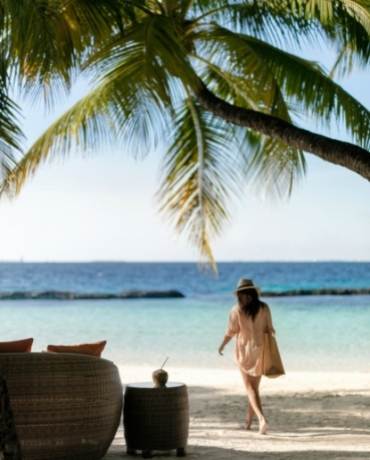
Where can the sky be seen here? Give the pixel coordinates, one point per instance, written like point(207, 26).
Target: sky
point(101, 206)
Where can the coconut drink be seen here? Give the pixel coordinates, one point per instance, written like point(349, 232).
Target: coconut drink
point(160, 376)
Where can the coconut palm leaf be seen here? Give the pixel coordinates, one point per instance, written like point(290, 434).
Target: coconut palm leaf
point(344, 22)
point(164, 45)
point(10, 133)
point(271, 165)
point(130, 102)
point(304, 83)
point(47, 39)
point(327, 10)
point(261, 19)
point(293, 22)
point(244, 89)
point(200, 173)
point(348, 27)
point(124, 106)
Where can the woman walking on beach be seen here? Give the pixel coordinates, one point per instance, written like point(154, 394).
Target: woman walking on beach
point(249, 319)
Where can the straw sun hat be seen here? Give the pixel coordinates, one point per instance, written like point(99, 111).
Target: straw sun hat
point(245, 285)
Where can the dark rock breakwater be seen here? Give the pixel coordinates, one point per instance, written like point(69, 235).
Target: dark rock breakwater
point(316, 292)
point(165, 294)
point(67, 295)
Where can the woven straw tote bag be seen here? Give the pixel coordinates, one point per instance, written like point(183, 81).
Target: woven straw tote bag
point(272, 365)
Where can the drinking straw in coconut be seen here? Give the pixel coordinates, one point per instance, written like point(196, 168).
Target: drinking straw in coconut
point(165, 362)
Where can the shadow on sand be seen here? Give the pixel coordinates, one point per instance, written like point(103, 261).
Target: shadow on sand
point(211, 453)
point(289, 415)
point(310, 426)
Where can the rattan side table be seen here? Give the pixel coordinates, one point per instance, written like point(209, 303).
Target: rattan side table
point(156, 418)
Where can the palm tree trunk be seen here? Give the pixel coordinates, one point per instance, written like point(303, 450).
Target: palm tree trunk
point(338, 152)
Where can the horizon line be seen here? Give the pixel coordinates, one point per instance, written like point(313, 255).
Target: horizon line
point(196, 262)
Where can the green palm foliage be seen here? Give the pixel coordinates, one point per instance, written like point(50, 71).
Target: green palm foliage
point(10, 134)
point(148, 58)
point(200, 171)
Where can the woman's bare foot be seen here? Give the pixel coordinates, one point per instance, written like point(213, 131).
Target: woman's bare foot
point(248, 423)
point(263, 426)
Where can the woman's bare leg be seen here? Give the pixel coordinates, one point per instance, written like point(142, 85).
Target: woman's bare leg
point(263, 423)
point(250, 411)
point(252, 386)
point(249, 417)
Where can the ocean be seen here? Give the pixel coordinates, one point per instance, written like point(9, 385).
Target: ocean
point(315, 333)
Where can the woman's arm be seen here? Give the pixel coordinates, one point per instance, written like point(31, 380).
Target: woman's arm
point(232, 329)
point(226, 340)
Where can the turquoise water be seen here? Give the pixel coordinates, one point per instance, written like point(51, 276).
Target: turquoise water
point(315, 333)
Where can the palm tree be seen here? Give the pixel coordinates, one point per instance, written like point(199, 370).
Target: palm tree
point(211, 78)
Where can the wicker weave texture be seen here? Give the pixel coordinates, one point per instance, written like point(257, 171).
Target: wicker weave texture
point(156, 418)
point(65, 406)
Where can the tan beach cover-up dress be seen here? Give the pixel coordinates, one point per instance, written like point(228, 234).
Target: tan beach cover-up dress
point(249, 337)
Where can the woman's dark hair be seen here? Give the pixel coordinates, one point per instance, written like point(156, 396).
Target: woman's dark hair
point(253, 306)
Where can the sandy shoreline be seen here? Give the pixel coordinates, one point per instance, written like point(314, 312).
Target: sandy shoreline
point(230, 381)
point(312, 415)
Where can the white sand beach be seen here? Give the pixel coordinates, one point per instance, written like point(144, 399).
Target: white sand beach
point(312, 415)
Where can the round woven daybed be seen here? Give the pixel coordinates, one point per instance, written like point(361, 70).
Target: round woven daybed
point(65, 406)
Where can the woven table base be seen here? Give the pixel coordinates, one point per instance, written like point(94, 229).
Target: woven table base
point(156, 419)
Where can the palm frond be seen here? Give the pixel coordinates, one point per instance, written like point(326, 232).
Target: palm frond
point(343, 23)
point(200, 173)
point(124, 107)
point(245, 90)
point(262, 19)
point(304, 83)
point(327, 10)
point(346, 23)
point(162, 43)
point(270, 165)
point(344, 63)
point(47, 40)
point(10, 132)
